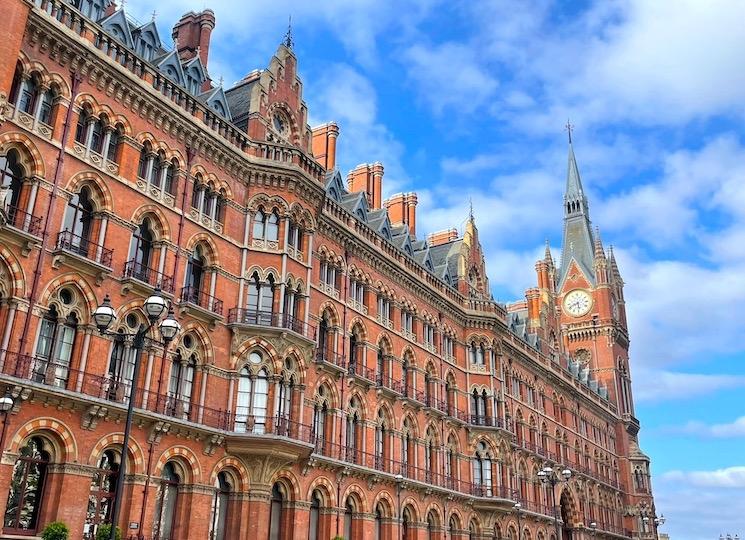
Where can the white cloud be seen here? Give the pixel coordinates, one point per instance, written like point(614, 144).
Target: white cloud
point(701, 504)
point(732, 429)
point(653, 385)
point(450, 75)
point(344, 95)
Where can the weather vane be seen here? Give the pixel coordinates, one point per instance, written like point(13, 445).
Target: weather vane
point(569, 127)
point(288, 41)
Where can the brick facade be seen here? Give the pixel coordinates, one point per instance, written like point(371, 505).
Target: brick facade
point(327, 377)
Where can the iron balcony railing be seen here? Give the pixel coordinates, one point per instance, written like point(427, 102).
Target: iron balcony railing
point(74, 243)
point(150, 276)
point(23, 221)
point(192, 295)
point(271, 319)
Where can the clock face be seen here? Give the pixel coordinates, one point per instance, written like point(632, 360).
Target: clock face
point(577, 303)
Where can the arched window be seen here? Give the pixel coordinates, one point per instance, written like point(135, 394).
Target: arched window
point(381, 443)
point(316, 502)
point(46, 106)
point(102, 492)
point(29, 94)
point(140, 252)
point(79, 221)
point(166, 503)
point(195, 275)
point(266, 225)
point(11, 182)
point(325, 345)
point(55, 346)
point(405, 375)
point(272, 227)
point(253, 391)
point(295, 236)
point(478, 407)
point(407, 448)
point(429, 456)
point(181, 385)
point(96, 136)
point(276, 512)
point(284, 398)
point(349, 511)
point(145, 164)
point(406, 524)
point(121, 367)
point(353, 431)
point(115, 138)
point(355, 350)
point(220, 504)
point(482, 471)
point(260, 301)
point(291, 306)
point(431, 524)
point(26, 494)
point(318, 427)
point(378, 522)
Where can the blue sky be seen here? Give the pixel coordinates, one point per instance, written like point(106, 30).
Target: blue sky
point(467, 100)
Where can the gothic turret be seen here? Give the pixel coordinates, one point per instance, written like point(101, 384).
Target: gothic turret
point(578, 244)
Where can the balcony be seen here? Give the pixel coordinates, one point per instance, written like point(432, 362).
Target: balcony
point(201, 303)
point(485, 421)
point(147, 276)
point(22, 221)
point(81, 249)
point(387, 384)
point(439, 405)
point(362, 373)
point(268, 319)
point(415, 394)
point(332, 361)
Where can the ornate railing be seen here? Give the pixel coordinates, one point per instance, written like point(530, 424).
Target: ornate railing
point(145, 274)
point(23, 221)
point(271, 319)
point(74, 243)
point(192, 295)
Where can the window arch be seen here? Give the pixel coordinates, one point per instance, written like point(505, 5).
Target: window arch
point(266, 225)
point(325, 338)
point(260, 301)
point(166, 503)
point(78, 223)
point(195, 273)
point(319, 427)
point(102, 492)
point(277, 511)
point(26, 494)
point(285, 397)
point(141, 253)
point(482, 470)
point(314, 523)
point(253, 393)
point(181, 381)
point(11, 185)
point(220, 507)
point(382, 442)
point(354, 431)
point(54, 349)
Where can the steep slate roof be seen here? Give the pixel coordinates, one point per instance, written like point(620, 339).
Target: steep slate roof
point(578, 243)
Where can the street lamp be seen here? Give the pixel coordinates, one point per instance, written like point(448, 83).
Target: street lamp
point(518, 507)
point(104, 316)
point(6, 404)
point(549, 476)
point(593, 528)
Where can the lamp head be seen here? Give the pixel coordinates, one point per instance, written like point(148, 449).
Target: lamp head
point(517, 506)
point(155, 306)
point(169, 327)
point(104, 315)
point(566, 474)
point(6, 403)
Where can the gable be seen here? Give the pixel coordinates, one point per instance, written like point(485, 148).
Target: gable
point(171, 68)
point(575, 277)
point(118, 27)
point(147, 41)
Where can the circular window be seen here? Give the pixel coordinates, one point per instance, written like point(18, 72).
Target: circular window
point(66, 296)
point(132, 321)
point(254, 358)
point(188, 341)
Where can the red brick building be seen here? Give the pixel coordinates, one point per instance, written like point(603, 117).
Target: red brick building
point(335, 374)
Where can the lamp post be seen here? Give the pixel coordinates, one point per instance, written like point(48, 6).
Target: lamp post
point(399, 485)
point(593, 528)
point(518, 508)
point(550, 477)
point(6, 404)
point(104, 316)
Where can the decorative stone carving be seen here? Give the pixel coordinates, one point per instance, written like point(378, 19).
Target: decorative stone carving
point(157, 431)
point(92, 415)
point(213, 442)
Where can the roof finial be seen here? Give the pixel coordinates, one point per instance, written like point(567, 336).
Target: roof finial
point(154, 14)
point(569, 127)
point(470, 210)
point(289, 41)
point(123, 3)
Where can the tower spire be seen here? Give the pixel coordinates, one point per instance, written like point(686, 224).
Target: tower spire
point(289, 40)
point(579, 243)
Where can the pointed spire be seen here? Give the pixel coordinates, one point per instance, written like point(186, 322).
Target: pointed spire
point(288, 40)
point(599, 251)
point(613, 265)
point(578, 243)
point(547, 254)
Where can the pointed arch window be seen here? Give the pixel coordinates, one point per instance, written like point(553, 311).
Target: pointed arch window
point(266, 225)
point(141, 251)
point(46, 106)
point(316, 502)
point(121, 370)
point(26, 494)
point(253, 392)
point(349, 511)
point(180, 386)
point(429, 457)
point(378, 522)
point(11, 183)
point(79, 222)
point(318, 428)
point(325, 345)
point(353, 432)
point(381, 443)
point(482, 470)
point(166, 503)
point(195, 273)
point(286, 388)
point(29, 94)
point(220, 506)
point(261, 300)
point(276, 513)
point(102, 492)
point(54, 348)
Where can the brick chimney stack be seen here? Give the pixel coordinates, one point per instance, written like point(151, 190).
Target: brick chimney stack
point(324, 144)
point(402, 209)
point(192, 34)
point(368, 178)
point(442, 237)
